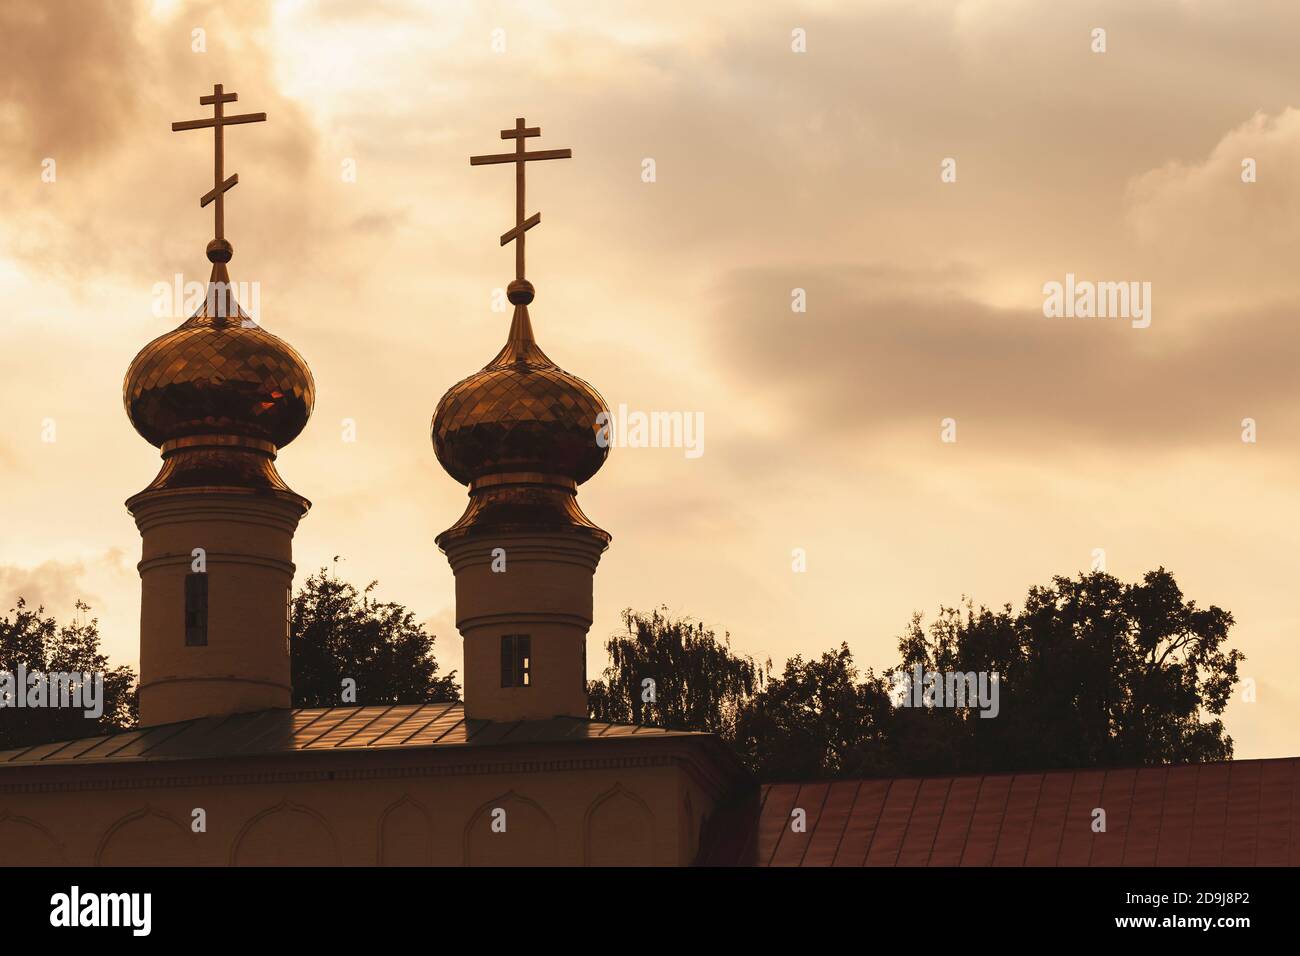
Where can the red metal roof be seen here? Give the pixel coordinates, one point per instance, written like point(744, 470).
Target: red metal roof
point(1239, 813)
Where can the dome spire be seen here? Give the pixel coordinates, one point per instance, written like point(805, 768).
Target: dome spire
point(522, 433)
point(520, 291)
point(219, 395)
point(521, 346)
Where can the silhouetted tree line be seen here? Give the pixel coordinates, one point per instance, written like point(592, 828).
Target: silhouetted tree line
point(338, 632)
point(1091, 672)
point(33, 642)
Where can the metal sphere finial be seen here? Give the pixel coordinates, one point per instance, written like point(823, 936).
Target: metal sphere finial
point(220, 250)
point(520, 292)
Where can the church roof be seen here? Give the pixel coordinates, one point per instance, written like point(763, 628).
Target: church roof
point(1238, 813)
point(379, 727)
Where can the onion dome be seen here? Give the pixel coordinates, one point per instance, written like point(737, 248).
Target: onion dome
point(523, 434)
point(219, 395)
point(521, 413)
point(219, 373)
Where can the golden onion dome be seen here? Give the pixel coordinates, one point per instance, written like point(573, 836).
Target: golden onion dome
point(520, 413)
point(219, 373)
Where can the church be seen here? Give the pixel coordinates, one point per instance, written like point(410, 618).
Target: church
point(223, 770)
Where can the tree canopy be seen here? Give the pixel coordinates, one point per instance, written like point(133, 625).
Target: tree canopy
point(696, 682)
point(1091, 672)
point(338, 632)
point(816, 720)
point(1094, 673)
point(39, 644)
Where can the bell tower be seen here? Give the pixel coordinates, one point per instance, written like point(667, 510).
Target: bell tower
point(522, 434)
point(219, 396)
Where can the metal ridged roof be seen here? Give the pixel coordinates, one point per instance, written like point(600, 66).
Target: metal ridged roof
point(317, 729)
point(1239, 813)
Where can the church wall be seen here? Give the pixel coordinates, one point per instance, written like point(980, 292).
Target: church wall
point(616, 815)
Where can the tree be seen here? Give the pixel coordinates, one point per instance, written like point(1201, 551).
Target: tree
point(40, 645)
point(1093, 673)
point(817, 720)
point(696, 682)
point(339, 633)
point(1090, 673)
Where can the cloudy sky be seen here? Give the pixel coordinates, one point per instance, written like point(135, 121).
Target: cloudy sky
point(774, 170)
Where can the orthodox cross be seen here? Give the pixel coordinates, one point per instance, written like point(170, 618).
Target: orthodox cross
point(218, 121)
point(520, 288)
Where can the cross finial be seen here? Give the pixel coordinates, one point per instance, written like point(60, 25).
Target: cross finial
point(219, 250)
point(520, 291)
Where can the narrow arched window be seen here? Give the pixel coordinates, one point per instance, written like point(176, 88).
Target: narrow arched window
point(196, 609)
point(516, 660)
